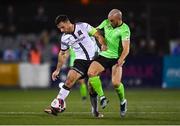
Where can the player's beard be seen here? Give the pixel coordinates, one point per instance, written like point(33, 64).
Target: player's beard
point(114, 26)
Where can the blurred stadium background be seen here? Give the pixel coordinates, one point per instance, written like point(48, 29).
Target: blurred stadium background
point(151, 73)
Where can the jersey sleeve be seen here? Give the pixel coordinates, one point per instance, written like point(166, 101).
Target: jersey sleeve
point(91, 30)
point(103, 24)
point(125, 35)
point(64, 44)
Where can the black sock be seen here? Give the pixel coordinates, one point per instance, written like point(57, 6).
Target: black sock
point(94, 102)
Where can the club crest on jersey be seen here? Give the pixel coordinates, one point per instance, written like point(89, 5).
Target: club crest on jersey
point(109, 26)
point(79, 32)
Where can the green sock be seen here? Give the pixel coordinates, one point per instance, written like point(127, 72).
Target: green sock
point(83, 90)
point(96, 84)
point(120, 92)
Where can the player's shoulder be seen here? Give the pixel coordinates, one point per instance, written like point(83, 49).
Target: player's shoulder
point(105, 21)
point(65, 37)
point(83, 24)
point(104, 24)
point(80, 23)
point(125, 26)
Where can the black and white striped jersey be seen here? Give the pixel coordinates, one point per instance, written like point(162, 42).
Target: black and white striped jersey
point(83, 45)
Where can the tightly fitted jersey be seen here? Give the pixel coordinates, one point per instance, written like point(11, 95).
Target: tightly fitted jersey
point(73, 55)
point(80, 41)
point(114, 38)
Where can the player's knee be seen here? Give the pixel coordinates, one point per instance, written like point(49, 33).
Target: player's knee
point(115, 82)
point(91, 73)
point(69, 82)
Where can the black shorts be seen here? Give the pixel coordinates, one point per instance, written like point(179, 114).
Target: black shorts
point(81, 66)
point(107, 63)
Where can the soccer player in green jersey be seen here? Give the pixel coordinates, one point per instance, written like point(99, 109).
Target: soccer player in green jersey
point(117, 36)
point(83, 88)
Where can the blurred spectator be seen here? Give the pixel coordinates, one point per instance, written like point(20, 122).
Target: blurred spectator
point(151, 49)
point(55, 49)
point(44, 38)
point(24, 51)
point(1, 26)
point(41, 19)
point(40, 15)
point(142, 47)
point(10, 19)
point(53, 36)
point(1, 55)
point(9, 55)
point(35, 55)
point(133, 49)
point(28, 21)
point(176, 50)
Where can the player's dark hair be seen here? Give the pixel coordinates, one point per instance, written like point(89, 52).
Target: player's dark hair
point(61, 18)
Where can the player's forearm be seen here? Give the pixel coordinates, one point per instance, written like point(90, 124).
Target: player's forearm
point(124, 54)
point(61, 60)
point(100, 38)
point(125, 51)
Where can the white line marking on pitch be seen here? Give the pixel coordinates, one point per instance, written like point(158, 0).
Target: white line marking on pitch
point(77, 102)
point(39, 113)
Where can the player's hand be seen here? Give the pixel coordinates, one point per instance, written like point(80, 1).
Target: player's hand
point(120, 62)
point(55, 75)
point(103, 47)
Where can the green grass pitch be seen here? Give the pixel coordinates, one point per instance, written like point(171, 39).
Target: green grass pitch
point(145, 106)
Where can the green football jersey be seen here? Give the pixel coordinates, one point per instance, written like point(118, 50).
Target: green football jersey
point(114, 38)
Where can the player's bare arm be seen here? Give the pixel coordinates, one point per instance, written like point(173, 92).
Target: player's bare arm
point(101, 40)
point(62, 56)
point(125, 52)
